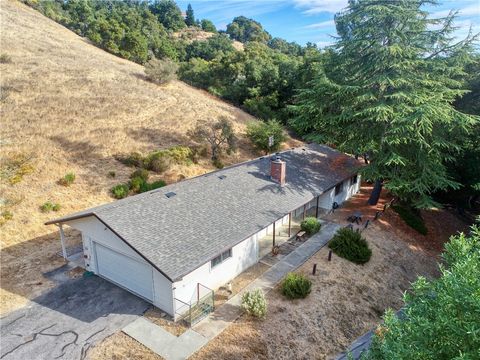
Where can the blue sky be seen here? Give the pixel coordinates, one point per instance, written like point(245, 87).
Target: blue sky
point(310, 20)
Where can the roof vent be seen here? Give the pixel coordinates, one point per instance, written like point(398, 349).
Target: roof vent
point(170, 194)
point(221, 177)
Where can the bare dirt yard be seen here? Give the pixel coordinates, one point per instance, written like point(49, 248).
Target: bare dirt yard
point(67, 106)
point(346, 301)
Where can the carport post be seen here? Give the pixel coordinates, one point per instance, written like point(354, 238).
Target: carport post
point(316, 210)
point(62, 240)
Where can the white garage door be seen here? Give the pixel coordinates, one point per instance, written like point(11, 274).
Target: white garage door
point(125, 271)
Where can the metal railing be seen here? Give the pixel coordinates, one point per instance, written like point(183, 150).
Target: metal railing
point(198, 308)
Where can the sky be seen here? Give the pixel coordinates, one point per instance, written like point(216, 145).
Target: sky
point(311, 20)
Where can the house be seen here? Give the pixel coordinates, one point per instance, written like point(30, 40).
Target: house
point(172, 245)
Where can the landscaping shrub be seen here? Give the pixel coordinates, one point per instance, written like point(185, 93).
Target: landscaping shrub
point(140, 173)
point(411, 217)
point(161, 71)
point(181, 154)
point(112, 174)
point(120, 191)
point(15, 167)
point(310, 225)
point(296, 286)
point(350, 245)
point(67, 180)
point(254, 303)
point(136, 183)
point(49, 206)
point(7, 215)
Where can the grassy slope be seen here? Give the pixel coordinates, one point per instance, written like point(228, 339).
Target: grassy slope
point(70, 107)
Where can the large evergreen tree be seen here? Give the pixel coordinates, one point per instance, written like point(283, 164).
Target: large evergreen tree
point(387, 91)
point(190, 17)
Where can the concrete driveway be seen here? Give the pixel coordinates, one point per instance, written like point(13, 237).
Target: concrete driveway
point(66, 321)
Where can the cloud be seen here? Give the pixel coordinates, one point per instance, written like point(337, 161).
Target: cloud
point(312, 7)
point(321, 25)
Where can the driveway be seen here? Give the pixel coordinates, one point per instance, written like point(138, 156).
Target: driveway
point(65, 322)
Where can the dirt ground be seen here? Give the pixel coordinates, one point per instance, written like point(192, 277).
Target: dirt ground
point(67, 106)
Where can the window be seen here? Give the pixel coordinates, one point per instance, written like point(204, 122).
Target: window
point(353, 180)
point(221, 258)
point(338, 188)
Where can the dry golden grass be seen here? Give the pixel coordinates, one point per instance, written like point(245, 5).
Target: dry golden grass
point(67, 106)
point(194, 34)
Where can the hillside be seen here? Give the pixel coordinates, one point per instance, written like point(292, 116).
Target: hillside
point(67, 106)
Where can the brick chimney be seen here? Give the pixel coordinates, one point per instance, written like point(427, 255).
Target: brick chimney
point(278, 170)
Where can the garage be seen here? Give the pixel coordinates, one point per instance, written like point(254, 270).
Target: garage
point(124, 271)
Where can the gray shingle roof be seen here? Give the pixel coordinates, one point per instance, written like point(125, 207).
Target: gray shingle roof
point(209, 215)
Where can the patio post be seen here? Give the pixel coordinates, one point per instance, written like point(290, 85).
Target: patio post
point(62, 240)
point(274, 234)
point(304, 211)
point(316, 210)
point(290, 224)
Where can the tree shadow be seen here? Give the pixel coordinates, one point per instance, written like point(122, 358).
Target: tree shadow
point(158, 137)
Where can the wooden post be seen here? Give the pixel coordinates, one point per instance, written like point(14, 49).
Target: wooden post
point(274, 234)
point(330, 255)
point(62, 240)
point(304, 211)
point(198, 292)
point(314, 269)
point(316, 210)
point(289, 224)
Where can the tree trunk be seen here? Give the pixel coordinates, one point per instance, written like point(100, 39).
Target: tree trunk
point(375, 195)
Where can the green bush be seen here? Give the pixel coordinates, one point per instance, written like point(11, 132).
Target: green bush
point(5, 59)
point(49, 206)
point(140, 173)
point(411, 217)
point(120, 191)
point(67, 180)
point(259, 132)
point(136, 183)
point(132, 159)
point(181, 154)
point(145, 186)
point(296, 286)
point(158, 161)
point(350, 245)
point(111, 174)
point(310, 225)
point(254, 303)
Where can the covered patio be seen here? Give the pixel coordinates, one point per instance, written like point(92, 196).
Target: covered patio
point(287, 228)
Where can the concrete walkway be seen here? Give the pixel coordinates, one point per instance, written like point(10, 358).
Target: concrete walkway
point(171, 347)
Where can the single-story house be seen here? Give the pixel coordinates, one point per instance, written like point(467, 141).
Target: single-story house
point(172, 245)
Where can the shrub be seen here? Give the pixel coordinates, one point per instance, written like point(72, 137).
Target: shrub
point(296, 286)
point(111, 174)
point(161, 71)
point(411, 217)
point(145, 186)
point(218, 164)
point(136, 183)
point(49, 206)
point(259, 132)
point(7, 215)
point(158, 161)
point(67, 180)
point(140, 173)
point(132, 159)
point(350, 245)
point(310, 225)
point(5, 59)
point(181, 154)
point(120, 191)
point(15, 167)
point(254, 303)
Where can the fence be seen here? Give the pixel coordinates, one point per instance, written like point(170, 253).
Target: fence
point(198, 308)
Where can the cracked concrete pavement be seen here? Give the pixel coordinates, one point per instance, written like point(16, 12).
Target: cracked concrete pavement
point(66, 321)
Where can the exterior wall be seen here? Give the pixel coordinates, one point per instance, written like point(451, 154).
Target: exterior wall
point(328, 198)
point(94, 231)
point(244, 255)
